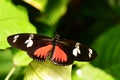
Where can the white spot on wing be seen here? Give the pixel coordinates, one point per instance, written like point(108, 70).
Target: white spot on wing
point(90, 52)
point(76, 50)
point(29, 42)
point(15, 38)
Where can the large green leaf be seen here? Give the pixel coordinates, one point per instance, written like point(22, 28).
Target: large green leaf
point(47, 71)
point(13, 19)
point(108, 47)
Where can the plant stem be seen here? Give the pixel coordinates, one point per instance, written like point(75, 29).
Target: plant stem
point(10, 73)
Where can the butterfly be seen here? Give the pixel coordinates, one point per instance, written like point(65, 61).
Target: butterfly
point(61, 52)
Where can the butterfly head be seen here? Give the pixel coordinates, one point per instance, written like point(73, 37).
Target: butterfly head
point(56, 39)
point(57, 36)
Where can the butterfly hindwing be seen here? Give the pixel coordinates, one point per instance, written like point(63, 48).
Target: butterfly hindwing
point(61, 54)
point(60, 57)
point(32, 43)
point(41, 53)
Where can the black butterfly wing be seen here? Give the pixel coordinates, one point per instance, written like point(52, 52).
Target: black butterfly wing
point(69, 48)
point(30, 43)
point(86, 53)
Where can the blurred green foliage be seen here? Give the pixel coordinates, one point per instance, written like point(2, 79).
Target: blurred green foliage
point(91, 22)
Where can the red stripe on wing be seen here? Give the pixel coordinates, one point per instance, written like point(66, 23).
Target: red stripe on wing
point(43, 51)
point(59, 55)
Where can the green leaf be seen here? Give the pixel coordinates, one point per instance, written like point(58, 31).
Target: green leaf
point(108, 47)
point(47, 70)
point(54, 11)
point(13, 19)
point(87, 72)
point(5, 61)
point(21, 58)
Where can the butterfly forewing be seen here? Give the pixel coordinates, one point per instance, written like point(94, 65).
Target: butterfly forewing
point(86, 53)
point(77, 51)
point(32, 43)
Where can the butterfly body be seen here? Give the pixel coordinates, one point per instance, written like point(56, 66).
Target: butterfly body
point(61, 52)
